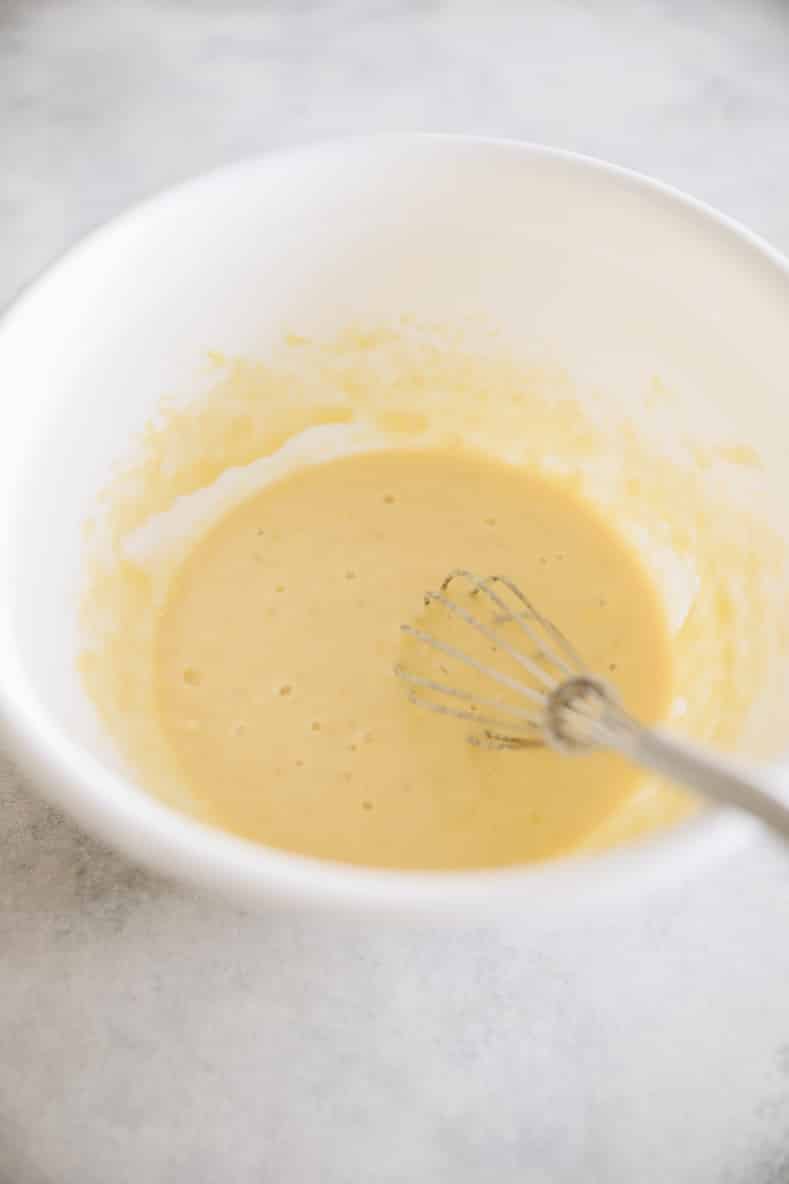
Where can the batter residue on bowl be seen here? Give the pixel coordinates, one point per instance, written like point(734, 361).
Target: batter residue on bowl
point(275, 652)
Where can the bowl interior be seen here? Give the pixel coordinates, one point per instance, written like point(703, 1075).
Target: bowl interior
point(621, 283)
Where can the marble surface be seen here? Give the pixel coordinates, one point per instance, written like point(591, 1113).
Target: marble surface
point(146, 1035)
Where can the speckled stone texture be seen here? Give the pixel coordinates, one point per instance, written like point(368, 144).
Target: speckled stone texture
point(146, 1035)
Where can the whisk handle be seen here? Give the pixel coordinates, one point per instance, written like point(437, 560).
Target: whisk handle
point(727, 782)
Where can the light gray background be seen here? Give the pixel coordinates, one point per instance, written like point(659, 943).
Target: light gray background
point(148, 1036)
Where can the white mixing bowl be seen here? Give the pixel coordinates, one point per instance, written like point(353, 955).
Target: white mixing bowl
point(623, 277)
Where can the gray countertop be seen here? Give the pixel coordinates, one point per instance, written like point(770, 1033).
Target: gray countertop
point(146, 1035)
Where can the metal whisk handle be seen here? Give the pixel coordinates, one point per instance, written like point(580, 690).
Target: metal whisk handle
point(583, 711)
point(721, 780)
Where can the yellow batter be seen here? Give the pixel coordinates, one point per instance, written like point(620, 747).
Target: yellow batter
point(275, 650)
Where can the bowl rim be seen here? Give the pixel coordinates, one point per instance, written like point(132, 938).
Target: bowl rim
point(121, 813)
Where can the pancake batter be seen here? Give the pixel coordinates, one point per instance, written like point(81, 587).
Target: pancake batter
point(274, 657)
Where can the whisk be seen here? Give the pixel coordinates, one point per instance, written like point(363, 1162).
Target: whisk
point(552, 699)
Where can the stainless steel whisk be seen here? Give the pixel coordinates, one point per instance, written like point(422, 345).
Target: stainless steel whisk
point(553, 700)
